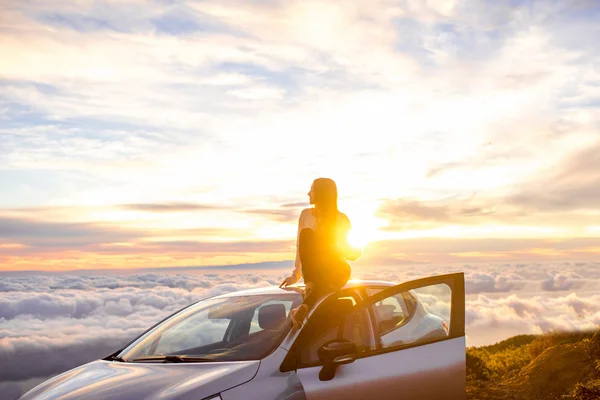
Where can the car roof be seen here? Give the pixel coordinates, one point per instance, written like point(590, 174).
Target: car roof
point(354, 283)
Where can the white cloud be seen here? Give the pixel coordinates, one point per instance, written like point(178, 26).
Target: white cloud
point(55, 322)
point(558, 282)
point(489, 283)
point(433, 91)
point(490, 320)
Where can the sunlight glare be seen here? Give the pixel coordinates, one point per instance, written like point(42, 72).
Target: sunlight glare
point(365, 225)
point(358, 239)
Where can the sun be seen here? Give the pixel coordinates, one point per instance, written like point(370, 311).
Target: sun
point(358, 238)
point(365, 224)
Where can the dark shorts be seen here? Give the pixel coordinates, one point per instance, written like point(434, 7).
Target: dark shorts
point(324, 269)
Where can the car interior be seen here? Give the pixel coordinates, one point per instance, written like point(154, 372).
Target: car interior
point(238, 343)
point(334, 319)
point(394, 312)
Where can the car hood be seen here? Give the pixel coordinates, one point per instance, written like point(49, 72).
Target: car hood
point(104, 379)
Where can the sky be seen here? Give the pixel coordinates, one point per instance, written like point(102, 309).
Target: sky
point(175, 133)
point(139, 137)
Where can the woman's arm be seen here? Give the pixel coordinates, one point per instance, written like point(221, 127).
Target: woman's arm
point(297, 263)
point(297, 272)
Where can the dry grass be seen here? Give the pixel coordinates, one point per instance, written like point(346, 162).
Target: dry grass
point(558, 365)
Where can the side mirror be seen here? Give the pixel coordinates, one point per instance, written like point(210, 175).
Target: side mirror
point(333, 354)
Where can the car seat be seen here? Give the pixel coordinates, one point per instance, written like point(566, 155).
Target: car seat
point(270, 319)
point(353, 328)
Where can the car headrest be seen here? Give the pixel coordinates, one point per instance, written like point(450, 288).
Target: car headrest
point(385, 310)
point(271, 316)
point(342, 306)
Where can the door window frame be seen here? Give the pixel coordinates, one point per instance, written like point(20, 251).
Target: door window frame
point(455, 282)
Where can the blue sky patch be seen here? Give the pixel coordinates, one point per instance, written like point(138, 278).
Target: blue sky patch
point(183, 21)
point(79, 23)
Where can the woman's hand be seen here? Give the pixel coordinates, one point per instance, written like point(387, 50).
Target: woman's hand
point(290, 280)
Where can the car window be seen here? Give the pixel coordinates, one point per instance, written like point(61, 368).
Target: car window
point(391, 312)
point(326, 324)
point(413, 316)
point(193, 332)
point(220, 329)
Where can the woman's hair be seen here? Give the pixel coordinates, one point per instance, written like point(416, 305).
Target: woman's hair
point(326, 204)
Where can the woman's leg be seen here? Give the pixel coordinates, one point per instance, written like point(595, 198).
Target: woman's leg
point(307, 250)
point(318, 273)
point(315, 293)
point(312, 293)
point(336, 276)
point(342, 273)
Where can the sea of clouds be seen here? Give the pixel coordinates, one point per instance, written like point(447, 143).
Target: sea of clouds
point(51, 323)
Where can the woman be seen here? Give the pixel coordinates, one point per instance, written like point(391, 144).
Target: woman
point(322, 248)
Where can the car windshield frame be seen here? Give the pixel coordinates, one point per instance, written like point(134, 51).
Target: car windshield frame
point(238, 312)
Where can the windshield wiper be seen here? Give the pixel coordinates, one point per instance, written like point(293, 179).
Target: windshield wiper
point(173, 359)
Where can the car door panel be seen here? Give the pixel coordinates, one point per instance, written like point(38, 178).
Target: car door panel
point(402, 375)
point(429, 367)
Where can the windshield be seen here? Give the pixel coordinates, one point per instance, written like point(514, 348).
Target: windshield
point(220, 329)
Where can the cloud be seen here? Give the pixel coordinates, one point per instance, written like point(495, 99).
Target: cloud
point(463, 248)
point(54, 322)
point(37, 244)
point(564, 194)
point(285, 213)
point(53, 240)
point(57, 234)
point(67, 321)
point(170, 207)
point(282, 215)
point(492, 283)
point(220, 247)
point(14, 389)
point(415, 214)
point(570, 186)
point(497, 278)
point(560, 282)
point(492, 320)
point(294, 205)
point(102, 102)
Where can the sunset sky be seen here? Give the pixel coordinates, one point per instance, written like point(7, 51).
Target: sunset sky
point(181, 133)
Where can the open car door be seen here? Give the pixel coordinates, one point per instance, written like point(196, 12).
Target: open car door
point(413, 350)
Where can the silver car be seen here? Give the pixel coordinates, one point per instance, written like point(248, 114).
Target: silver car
point(371, 340)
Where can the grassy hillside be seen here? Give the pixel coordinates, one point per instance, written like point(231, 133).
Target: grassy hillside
point(553, 366)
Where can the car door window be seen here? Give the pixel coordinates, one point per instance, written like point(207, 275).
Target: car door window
point(326, 324)
point(410, 317)
point(393, 311)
